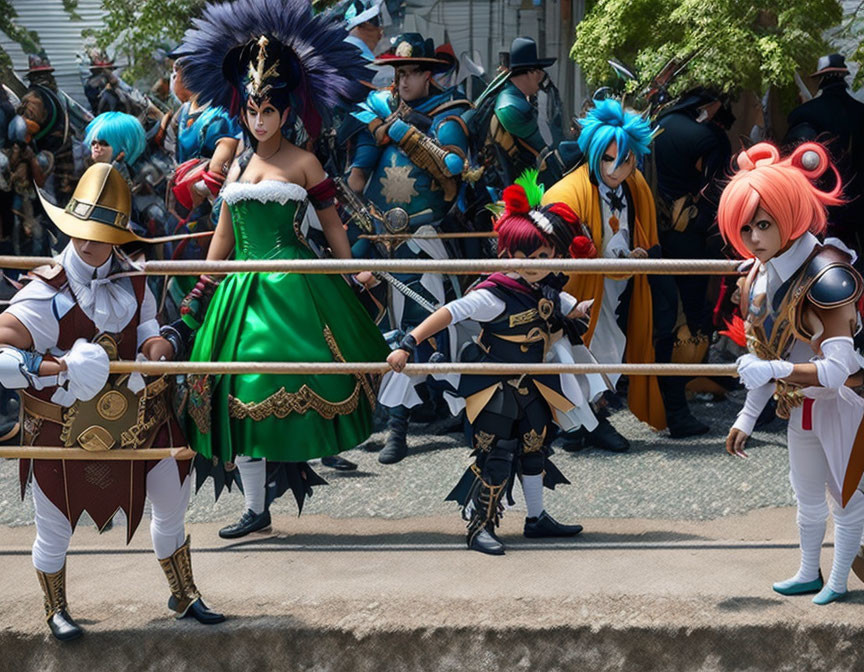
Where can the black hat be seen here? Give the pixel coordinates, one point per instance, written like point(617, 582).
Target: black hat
point(833, 64)
point(412, 49)
point(523, 56)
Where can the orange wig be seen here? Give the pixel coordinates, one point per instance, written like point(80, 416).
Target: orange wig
point(783, 187)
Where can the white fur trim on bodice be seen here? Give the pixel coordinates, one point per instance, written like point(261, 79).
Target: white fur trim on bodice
point(265, 191)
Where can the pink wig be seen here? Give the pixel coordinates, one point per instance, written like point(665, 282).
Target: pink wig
point(782, 187)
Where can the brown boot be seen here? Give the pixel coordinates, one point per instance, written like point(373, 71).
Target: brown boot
point(56, 610)
point(185, 598)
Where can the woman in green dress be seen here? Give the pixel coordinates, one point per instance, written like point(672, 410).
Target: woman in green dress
point(269, 71)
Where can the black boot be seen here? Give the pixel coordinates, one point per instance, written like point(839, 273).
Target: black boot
point(185, 598)
point(484, 517)
point(395, 446)
point(56, 610)
point(681, 422)
point(249, 522)
point(606, 437)
point(545, 525)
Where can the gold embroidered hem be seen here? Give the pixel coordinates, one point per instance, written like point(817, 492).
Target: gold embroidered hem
point(281, 403)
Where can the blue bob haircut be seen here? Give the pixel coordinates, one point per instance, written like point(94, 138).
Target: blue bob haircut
point(123, 132)
point(607, 121)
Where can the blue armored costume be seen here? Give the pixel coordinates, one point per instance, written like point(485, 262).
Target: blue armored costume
point(413, 154)
point(198, 132)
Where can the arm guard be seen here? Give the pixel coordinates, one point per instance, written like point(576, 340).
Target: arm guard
point(428, 155)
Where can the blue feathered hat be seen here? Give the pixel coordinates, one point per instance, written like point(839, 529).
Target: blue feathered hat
point(274, 49)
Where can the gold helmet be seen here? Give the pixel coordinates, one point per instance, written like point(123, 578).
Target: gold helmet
point(99, 210)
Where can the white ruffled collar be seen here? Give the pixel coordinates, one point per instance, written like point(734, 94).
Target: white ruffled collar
point(265, 191)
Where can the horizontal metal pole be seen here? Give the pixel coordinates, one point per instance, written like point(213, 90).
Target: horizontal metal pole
point(54, 453)
point(449, 266)
point(479, 368)
point(428, 236)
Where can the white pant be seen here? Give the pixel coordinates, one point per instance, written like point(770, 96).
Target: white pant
point(168, 500)
point(809, 474)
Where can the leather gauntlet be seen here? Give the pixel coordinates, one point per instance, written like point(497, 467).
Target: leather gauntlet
point(428, 155)
point(194, 307)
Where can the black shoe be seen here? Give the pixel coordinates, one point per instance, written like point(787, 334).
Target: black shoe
point(574, 441)
point(202, 613)
point(249, 522)
point(338, 463)
point(606, 437)
point(546, 526)
point(486, 543)
point(63, 627)
point(683, 424)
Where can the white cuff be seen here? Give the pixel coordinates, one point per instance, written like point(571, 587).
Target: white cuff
point(753, 407)
point(146, 330)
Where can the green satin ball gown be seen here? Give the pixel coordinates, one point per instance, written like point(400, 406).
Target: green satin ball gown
point(281, 317)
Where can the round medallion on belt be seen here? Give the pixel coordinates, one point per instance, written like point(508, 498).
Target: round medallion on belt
point(111, 405)
point(545, 308)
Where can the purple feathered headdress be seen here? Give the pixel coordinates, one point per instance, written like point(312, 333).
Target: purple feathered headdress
point(301, 56)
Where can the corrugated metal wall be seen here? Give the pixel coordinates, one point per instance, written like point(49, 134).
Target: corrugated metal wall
point(59, 35)
point(489, 26)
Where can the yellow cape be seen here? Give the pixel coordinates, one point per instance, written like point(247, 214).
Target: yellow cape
point(577, 191)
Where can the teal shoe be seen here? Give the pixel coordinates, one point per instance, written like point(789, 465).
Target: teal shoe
point(827, 596)
point(792, 587)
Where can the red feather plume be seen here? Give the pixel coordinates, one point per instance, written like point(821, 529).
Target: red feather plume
point(582, 247)
point(516, 200)
point(735, 331)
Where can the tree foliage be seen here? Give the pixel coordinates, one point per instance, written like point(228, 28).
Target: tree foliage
point(739, 44)
point(136, 30)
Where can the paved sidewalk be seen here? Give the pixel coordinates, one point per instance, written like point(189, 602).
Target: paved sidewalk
point(370, 594)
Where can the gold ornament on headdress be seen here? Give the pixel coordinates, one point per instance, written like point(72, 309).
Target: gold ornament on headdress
point(257, 75)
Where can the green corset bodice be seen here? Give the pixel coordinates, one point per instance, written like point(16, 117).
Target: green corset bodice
point(264, 215)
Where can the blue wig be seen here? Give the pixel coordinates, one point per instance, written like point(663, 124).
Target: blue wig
point(123, 132)
point(607, 121)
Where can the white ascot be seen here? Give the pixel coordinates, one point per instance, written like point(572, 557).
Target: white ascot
point(110, 303)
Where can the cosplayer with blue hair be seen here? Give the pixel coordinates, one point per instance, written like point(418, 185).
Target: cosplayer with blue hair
point(633, 319)
point(122, 132)
point(609, 122)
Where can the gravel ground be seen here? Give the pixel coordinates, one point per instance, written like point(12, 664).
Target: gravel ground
point(659, 478)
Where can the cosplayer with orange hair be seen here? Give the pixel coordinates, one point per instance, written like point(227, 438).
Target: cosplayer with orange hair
point(799, 302)
point(525, 318)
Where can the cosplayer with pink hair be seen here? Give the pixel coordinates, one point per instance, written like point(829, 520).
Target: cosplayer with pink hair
point(799, 304)
point(525, 318)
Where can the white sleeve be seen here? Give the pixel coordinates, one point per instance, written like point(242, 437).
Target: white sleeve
point(568, 303)
point(479, 305)
point(753, 406)
point(148, 326)
point(837, 363)
point(38, 318)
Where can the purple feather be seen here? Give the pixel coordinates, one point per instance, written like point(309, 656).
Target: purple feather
point(332, 69)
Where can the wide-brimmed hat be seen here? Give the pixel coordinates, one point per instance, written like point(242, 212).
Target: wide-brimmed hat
point(99, 209)
point(832, 64)
point(523, 56)
point(412, 49)
point(39, 62)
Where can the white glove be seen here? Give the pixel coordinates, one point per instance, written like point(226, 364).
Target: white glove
point(754, 372)
point(86, 368)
